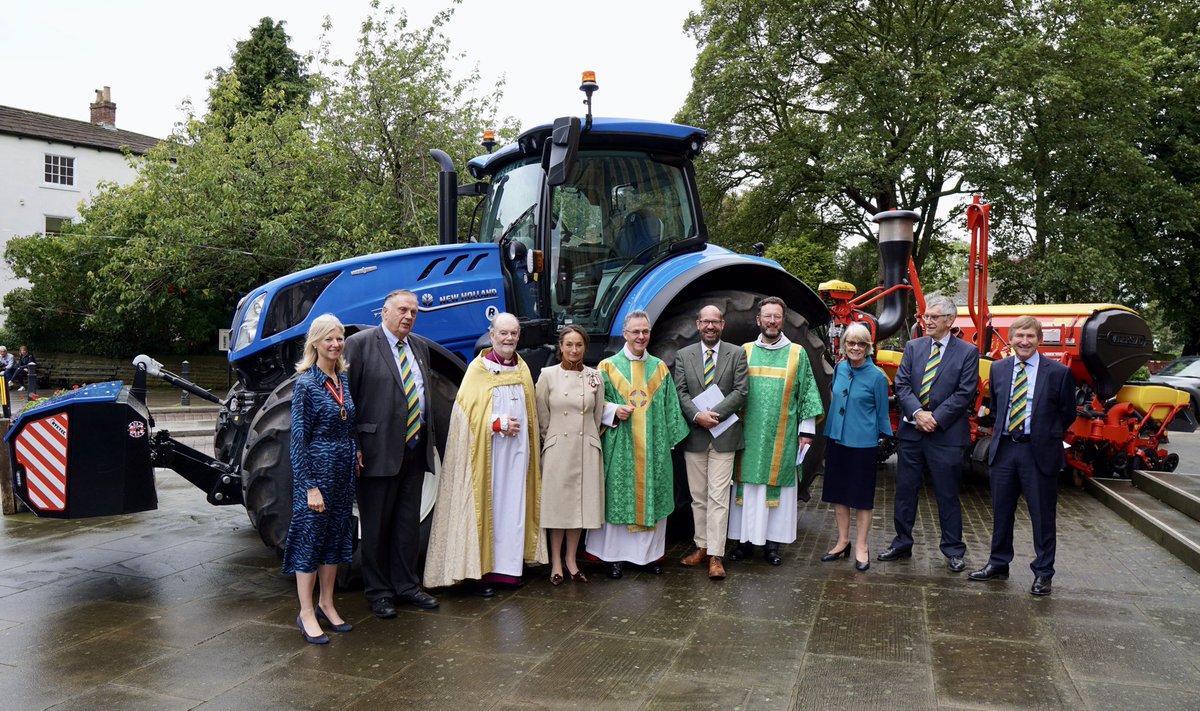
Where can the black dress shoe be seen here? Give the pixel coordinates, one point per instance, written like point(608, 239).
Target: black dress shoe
point(654, 568)
point(616, 570)
point(955, 563)
point(420, 599)
point(1041, 586)
point(836, 555)
point(989, 572)
point(895, 554)
point(383, 608)
point(481, 590)
point(772, 556)
point(741, 551)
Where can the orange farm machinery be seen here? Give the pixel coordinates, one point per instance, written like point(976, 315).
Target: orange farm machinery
point(1120, 427)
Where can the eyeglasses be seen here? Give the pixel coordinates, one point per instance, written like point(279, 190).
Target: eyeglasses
point(931, 317)
point(710, 323)
point(857, 344)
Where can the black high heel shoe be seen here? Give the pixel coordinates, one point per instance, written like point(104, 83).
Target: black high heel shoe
point(343, 627)
point(862, 565)
point(319, 639)
point(836, 555)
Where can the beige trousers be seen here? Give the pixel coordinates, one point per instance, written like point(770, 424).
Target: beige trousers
point(710, 474)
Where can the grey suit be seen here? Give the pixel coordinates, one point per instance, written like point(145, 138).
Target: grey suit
point(710, 459)
point(389, 488)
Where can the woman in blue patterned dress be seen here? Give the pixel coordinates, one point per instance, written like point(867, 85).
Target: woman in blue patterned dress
point(323, 457)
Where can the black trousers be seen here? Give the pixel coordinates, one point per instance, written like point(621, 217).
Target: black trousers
point(389, 508)
point(945, 469)
point(1014, 472)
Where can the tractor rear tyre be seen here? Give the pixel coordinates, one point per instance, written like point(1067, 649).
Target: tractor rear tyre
point(677, 328)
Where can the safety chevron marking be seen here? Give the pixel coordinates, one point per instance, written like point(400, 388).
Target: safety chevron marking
point(42, 450)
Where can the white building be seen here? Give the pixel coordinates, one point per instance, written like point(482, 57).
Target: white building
point(50, 165)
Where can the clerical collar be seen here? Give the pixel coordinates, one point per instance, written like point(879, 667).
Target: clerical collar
point(493, 356)
point(629, 354)
point(783, 342)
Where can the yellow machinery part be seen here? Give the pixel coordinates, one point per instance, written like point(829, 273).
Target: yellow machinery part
point(1144, 397)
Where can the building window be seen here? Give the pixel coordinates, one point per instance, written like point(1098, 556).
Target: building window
point(55, 225)
point(60, 170)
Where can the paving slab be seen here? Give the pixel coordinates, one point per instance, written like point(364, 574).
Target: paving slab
point(183, 607)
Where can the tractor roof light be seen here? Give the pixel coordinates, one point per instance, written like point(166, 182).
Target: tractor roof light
point(588, 86)
point(489, 140)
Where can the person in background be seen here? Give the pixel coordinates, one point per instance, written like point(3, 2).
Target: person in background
point(570, 403)
point(18, 372)
point(858, 417)
point(321, 533)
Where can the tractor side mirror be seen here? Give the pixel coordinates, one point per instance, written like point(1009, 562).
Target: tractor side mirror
point(559, 160)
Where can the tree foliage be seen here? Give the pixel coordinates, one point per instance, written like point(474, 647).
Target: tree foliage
point(266, 73)
point(233, 200)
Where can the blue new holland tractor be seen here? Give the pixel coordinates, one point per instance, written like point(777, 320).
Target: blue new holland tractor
point(579, 221)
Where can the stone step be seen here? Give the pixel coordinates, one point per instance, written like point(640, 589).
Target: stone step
point(1167, 526)
point(1181, 491)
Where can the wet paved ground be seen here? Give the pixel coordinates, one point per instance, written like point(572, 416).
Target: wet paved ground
point(183, 607)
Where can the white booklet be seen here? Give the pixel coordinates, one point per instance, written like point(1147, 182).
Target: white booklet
point(708, 400)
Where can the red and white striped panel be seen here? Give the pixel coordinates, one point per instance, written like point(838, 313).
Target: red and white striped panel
point(42, 450)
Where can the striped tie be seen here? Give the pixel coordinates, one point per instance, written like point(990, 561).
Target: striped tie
point(709, 367)
point(410, 394)
point(1016, 405)
point(930, 370)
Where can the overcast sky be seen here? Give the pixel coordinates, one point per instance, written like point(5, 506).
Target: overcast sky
point(54, 54)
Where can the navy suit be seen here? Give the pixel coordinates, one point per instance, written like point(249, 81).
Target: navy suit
point(1029, 467)
point(951, 397)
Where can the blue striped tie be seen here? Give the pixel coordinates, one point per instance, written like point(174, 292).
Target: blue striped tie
point(1016, 405)
point(709, 367)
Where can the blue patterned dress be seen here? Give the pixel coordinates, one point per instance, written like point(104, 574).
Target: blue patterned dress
point(323, 456)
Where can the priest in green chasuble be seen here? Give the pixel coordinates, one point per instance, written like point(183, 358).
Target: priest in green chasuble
point(780, 417)
point(639, 486)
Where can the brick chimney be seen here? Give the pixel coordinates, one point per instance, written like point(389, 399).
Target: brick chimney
point(104, 111)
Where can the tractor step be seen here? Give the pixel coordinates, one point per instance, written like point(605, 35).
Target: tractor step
point(1181, 491)
point(1164, 524)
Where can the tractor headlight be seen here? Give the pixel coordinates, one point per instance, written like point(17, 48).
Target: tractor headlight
point(249, 325)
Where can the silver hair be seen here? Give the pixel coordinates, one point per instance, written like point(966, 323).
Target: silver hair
point(501, 315)
point(632, 315)
point(861, 333)
point(942, 303)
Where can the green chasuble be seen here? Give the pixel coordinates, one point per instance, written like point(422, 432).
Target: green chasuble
point(639, 485)
point(782, 394)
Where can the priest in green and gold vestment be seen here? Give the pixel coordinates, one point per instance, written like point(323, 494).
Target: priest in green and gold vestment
point(780, 416)
point(639, 485)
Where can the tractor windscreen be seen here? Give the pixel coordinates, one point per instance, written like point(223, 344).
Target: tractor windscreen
point(621, 211)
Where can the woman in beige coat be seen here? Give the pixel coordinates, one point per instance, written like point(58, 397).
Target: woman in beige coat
point(570, 401)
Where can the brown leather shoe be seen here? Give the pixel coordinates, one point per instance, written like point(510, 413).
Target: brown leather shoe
point(697, 557)
point(716, 570)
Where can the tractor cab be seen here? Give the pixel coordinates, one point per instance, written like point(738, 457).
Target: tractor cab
point(578, 228)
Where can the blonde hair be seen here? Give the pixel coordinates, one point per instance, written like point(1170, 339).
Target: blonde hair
point(321, 327)
point(861, 332)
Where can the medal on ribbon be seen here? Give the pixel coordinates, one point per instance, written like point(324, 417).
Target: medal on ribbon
point(338, 396)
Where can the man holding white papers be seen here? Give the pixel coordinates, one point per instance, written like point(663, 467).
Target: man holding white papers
point(782, 404)
point(712, 379)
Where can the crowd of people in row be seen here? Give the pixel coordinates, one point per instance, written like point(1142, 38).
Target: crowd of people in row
point(527, 469)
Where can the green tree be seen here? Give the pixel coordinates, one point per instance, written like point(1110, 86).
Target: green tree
point(266, 73)
point(829, 112)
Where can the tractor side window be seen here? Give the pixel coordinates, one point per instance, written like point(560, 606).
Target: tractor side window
point(511, 216)
point(618, 216)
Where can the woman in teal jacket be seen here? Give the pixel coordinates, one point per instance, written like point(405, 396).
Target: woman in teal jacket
point(858, 417)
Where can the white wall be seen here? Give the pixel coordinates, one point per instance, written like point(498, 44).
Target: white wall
point(26, 199)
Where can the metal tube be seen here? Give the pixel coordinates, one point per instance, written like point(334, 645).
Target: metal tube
point(447, 198)
point(895, 250)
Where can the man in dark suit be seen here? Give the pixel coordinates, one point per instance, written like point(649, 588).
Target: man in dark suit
point(389, 381)
point(1033, 399)
point(710, 459)
point(936, 386)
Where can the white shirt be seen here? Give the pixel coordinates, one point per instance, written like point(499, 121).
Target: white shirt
point(414, 365)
